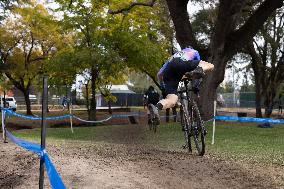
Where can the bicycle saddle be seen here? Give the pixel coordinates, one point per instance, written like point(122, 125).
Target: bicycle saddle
point(197, 73)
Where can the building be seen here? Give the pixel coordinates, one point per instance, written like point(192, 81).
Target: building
point(124, 97)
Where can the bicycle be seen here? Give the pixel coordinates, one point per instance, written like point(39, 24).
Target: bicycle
point(152, 122)
point(191, 121)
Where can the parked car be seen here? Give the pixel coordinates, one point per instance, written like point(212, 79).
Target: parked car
point(9, 101)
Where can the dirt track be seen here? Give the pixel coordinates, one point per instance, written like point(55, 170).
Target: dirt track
point(126, 163)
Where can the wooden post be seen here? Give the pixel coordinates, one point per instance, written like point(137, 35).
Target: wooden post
point(3, 127)
point(214, 123)
point(71, 117)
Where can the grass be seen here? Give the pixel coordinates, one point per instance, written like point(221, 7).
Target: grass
point(233, 140)
point(247, 142)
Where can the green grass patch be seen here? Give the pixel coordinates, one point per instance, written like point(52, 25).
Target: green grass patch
point(237, 141)
point(247, 142)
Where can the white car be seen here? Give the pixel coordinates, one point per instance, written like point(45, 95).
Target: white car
point(10, 102)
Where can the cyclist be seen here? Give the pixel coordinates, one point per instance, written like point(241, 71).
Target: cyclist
point(151, 96)
point(64, 102)
point(172, 71)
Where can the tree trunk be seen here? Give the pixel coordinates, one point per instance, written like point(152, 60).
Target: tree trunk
point(268, 106)
point(94, 76)
point(269, 100)
point(180, 17)
point(207, 97)
point(210, 84)
point(226, 39)
point(26, 94)
point(68, 96)
point(258, 112)
point(109, 107)
point(268, 109)
point(87, 99)
point(258, 76)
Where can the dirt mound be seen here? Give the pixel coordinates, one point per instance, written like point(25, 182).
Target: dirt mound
point(124, 162)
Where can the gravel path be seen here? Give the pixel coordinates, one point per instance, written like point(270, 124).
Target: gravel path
point(126, 163)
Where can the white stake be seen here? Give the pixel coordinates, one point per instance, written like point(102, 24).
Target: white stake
point(3, 123)
point(214, 122)
point(71, 117)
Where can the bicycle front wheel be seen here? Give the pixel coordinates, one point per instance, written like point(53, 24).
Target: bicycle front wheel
point(198, 129)
point(185, 123)
point(153, 122)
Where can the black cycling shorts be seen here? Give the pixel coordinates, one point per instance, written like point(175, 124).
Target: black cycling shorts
point(174, 72)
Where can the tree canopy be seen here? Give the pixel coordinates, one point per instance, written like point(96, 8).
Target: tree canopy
point(26, 46)
point(229, 26)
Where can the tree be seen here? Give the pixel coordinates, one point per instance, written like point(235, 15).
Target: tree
point(230, 32)
point(140, 53)
point(267, 53)
point(145, 37)
point(108, 44)
point(228, 87)
point(27, 42)
point(5, 6)
point(61, 69)
point(138, 83)
point(93, 50)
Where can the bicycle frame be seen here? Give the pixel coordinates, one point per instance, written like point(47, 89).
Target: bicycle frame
point(191, 120)
point(185, 100)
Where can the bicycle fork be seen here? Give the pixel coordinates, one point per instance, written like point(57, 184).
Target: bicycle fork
point(186, 129)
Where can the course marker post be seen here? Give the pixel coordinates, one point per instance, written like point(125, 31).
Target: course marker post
point(43, 130)
point(3, 126)
point(214, 123)
point(71, 117)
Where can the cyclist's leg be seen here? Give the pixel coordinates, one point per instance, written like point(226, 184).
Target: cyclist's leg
point(169, 102)
point(171, 97)
point(154, 114)
point(148, 114)
point(206, 66)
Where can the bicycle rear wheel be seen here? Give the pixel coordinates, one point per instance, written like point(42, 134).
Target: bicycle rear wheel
point(185, 123)
point(153, 123)
point(198, 129)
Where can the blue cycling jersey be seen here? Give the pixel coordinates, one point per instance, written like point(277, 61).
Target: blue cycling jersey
point(184, 55)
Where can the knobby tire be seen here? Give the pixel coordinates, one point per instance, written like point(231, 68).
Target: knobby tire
point(186, 124)
point(198, 129)
point(153, 124)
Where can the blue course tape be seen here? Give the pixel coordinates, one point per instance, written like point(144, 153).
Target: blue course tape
point(248, 119)
point(36, 118)
point(21, 116)
point(58, 117)
point(54, 178)
point(25, 144)
point(66, 116)
point(123, 115)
